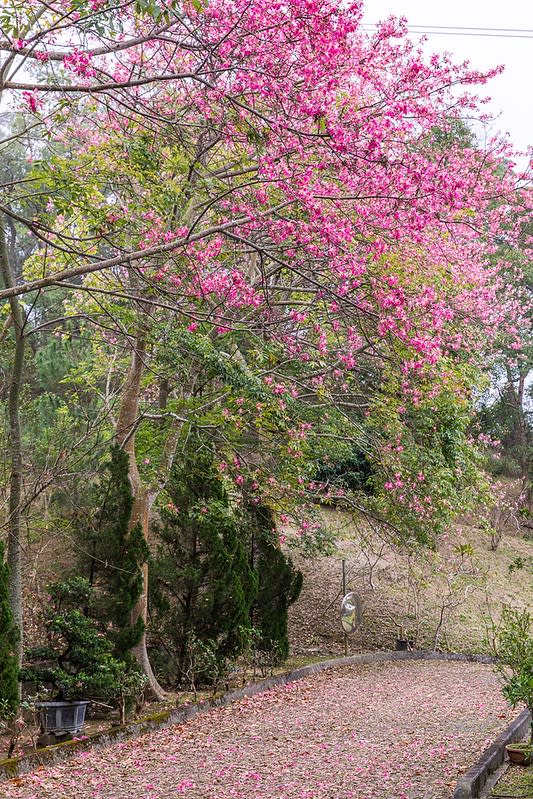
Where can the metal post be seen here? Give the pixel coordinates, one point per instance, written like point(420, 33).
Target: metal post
point(344, 594)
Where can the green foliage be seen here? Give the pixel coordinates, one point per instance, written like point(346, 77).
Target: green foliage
point(77, 659)
point(464, 550)
point(60, 405)
point(456, 134)
point(215, 363)
point(519, 563)
point(160, 11)
point(130, 687)
point(514, 647)
point(426, 467)
point(203, 663)
point(350, 470)
point(506, 420)
point(504, 411)
point(114, 555)
point(279, 584)
point(203, 584)
point(8, 637)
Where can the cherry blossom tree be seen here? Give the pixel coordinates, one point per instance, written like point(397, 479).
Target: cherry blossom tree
point(270, 184)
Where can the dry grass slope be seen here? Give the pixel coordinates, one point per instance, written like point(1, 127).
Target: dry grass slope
point(447, 599)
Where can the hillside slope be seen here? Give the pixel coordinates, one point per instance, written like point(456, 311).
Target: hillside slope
point(444, 599)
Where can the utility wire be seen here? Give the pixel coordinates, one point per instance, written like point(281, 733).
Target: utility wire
point(462, 28)
point(484, 35)
point(451, 30)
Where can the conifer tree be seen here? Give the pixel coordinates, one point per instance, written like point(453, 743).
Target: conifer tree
point(116, 556)
point(279, 584)
point(204, 584)
point(9, 689)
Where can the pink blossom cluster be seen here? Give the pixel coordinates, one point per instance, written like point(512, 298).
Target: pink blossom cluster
point(79, 63)
point(277, 171)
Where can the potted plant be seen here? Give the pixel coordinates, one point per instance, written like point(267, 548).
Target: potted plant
point(76, 663)
point(403, 642)
point(514, 649)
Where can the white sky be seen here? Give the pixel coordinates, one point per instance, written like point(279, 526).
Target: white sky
point(512, 92)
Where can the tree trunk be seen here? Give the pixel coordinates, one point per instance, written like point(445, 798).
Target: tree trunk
point(125, 438)
point(521, 434)
point(14, 552)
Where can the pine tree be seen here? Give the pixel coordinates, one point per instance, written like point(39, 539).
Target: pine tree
point(204, 585)
point(9, 689)
point(279, 584)
point(116, 555)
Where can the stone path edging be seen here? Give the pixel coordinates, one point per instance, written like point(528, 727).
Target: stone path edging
point(469, 786)
point(17, 766)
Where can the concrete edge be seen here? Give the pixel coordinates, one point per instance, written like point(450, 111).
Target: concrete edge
point(493, 779)
point(16, 766)
point(470, 784)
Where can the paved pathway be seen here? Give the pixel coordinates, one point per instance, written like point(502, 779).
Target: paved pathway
point(393, 730)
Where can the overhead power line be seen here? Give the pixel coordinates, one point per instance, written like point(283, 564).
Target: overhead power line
point(485, 35)
point(455, 30)
point(463, 28)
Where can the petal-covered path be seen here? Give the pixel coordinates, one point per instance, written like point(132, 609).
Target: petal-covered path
point(393, 730)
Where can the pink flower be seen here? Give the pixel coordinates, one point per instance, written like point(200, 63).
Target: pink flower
point(79, 62)
point(182, 786)
point(32, 100)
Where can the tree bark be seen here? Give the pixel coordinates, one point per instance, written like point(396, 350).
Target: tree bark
point(14, 548)
point(521, 434)
point(125, 438)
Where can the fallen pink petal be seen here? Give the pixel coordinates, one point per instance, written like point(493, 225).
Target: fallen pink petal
point(379, 731)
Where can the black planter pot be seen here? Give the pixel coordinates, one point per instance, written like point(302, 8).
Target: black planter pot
point(404, 644)
point(61, 717)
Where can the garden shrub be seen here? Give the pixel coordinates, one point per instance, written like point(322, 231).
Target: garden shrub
point(77, 659)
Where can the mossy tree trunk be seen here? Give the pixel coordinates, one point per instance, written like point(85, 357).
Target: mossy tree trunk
point(140, 515)
point(9, 685)
point(14, 548)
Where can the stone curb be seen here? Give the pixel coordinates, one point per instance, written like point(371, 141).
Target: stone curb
point(16, 766)
point(469, 786)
